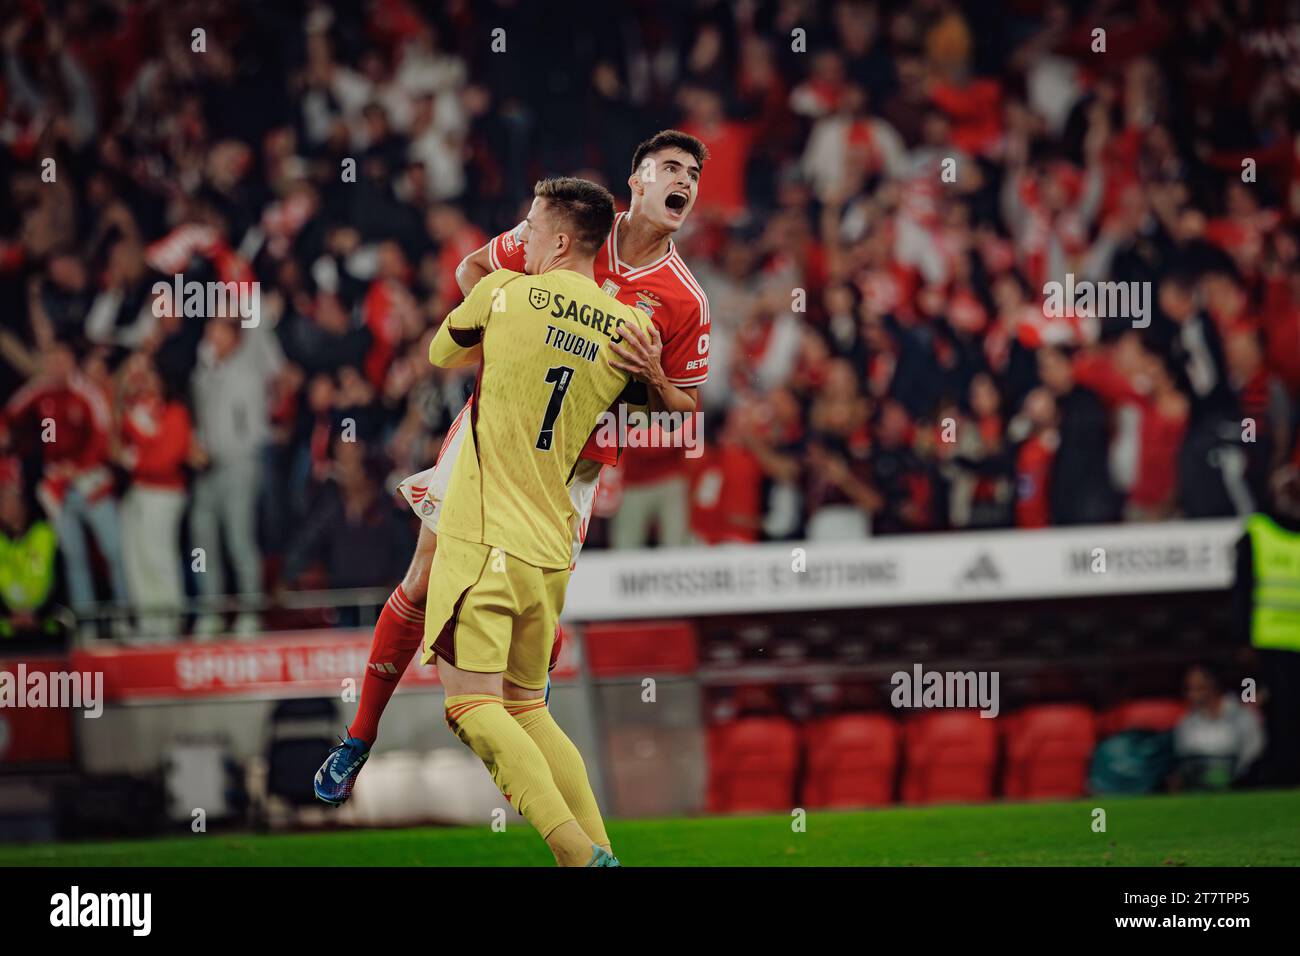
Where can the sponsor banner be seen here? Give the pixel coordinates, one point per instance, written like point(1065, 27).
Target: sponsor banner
point(919, 569)
point(308, 663)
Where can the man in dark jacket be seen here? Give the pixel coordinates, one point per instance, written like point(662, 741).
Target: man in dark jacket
point(353, 531)
point(1212, 463)
point(1081, 491)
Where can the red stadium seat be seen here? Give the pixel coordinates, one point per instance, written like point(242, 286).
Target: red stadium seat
point(851, 761)
point(949, 756)
point(1155, 713)
point(752, 765)
point(1048, 749)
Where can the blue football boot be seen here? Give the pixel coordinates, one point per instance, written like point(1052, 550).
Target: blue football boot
point(338, 774)
point(600, 857)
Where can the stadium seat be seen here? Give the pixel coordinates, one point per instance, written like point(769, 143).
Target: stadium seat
point(299, 734)
point(851, 760)
point(789, 650)
point(1048, 749)
point(1154, 713)
point(1015, 635)
point(752, 765)
point(949, 756)
point(721, 651)
point(820, 640)
point(853, 649)
point(757, 700)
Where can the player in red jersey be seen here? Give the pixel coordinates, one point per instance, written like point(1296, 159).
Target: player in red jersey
point(638, 265)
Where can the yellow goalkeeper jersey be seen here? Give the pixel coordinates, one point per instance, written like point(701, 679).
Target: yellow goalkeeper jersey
point(544, 381)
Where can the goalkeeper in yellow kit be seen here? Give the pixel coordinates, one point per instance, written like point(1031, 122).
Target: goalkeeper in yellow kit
point(506, 531)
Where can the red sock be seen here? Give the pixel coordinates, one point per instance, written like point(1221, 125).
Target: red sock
point(399, 632)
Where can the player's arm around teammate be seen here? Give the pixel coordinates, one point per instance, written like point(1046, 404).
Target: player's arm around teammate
point(637, 265)
point(640, 352)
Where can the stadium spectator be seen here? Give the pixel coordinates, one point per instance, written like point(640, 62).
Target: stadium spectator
point(1212, 466)
point(354, 533)
point(902, 475)
point(774, 435)
point(319, 336)
point(726, 486)
point(1219, 738)
point(154, 442)
point(1266, 407)
point(1038, 439)
point(730, 143)
point(27, 559)
point(1266, 620)
point(837, 244)
point(655, 490)
point(979, 483)
point(231, 403)
point(1161, 411)
point(1080, 490)
point(62, 421)
point(839, 495)
point(122, 314)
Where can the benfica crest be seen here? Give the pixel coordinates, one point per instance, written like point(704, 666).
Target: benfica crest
point(647, 302)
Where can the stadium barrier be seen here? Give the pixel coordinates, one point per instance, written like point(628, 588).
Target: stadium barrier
point(634, 685)
point(940, 568)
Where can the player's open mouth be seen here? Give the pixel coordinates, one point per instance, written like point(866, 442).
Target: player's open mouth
point(676, 202)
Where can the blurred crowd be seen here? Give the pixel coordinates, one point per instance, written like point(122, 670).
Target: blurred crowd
point(890, 186)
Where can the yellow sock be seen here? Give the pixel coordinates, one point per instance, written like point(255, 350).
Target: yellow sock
point(518, 769)
point(567, 769)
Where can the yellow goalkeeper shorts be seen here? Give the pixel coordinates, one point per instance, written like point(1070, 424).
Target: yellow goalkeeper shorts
point(489, 612)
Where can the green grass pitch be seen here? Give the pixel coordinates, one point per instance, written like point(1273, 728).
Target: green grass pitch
point(1233, 829)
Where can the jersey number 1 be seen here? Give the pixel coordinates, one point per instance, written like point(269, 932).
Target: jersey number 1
point(558, 378)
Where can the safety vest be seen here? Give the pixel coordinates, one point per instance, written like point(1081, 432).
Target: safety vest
point(1275, 606)
point(27, 567)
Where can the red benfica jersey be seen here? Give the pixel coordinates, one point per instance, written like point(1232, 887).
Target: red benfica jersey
point(665, 290)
